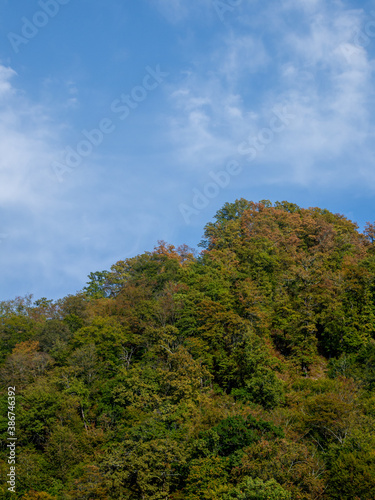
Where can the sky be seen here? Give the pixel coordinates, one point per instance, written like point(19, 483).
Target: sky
point(127, 122)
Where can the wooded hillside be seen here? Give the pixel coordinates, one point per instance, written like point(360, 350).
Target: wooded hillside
point(246, 371)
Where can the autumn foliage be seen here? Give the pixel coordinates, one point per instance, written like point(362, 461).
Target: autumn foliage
point(246, 371)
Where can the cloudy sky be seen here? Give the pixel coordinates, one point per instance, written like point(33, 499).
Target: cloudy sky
point(126, 122)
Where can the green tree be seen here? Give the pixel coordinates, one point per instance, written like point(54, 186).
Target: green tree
point(257, 489)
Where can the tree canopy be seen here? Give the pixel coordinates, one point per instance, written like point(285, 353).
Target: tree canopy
point(245, 371)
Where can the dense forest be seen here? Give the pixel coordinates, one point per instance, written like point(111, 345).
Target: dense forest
point(244, 371)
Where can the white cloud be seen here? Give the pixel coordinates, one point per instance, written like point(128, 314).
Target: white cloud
point(240, 57)
point(332, 112)
point(207, 118)
point(53, 234)
point(211, 116)
point(328, 93)
point(26, 136)
point(39, 221)
point(6, 75)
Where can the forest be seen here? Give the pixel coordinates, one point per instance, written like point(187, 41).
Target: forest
point(242, 371)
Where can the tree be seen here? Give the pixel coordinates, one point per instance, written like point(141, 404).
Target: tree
point(97, 286)
point(257, 489)
point(25, 364)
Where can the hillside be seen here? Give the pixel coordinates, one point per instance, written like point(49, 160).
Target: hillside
point(243, 372)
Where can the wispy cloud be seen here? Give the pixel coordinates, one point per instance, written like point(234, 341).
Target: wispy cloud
point(26, 139)
point(54, 233)
point(210, 115)
point(329, 95)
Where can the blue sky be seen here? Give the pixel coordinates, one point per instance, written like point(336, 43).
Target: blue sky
point(126, 122)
